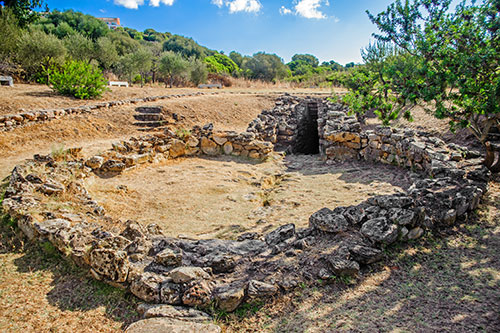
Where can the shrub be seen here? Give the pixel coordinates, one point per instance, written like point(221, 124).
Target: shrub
point(78, 79)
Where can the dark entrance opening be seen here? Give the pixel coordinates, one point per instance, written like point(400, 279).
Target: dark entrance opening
point(307, 141)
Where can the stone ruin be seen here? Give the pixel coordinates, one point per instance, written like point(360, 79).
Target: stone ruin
point(449, 181)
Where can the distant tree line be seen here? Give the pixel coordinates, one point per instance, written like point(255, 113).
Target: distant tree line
point(37, 43)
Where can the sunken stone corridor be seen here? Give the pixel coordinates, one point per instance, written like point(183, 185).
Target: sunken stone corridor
point(224, 267)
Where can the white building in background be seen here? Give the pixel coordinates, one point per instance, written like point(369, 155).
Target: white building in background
point(112, 22)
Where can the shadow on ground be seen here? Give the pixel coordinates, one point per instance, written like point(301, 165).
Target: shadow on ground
point(448, 282)
point(41, 291)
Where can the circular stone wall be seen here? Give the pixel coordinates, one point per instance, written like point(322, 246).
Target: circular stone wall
point(49, 199)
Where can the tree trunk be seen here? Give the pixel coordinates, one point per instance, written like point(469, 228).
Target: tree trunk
point(492, 160)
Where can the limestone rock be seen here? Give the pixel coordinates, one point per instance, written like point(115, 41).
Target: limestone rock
point(380, 230)
point(110, 263)
point(177, 148)
point(173, 312)
point(328, 221)
point(208, 146)
point(171, 293)
point(415, 233)
point(113, 166)
point(228, 148)
point(365, 254)
point(198, 293)
point(50, 227)
point(147, 287)
point(193, 142)
point(94, 162)
point(281, 234)
point(229, 297)
point(257, 289)
point(157, 325)
point(343, 267)
point(169, 258)
point(51, 188)
point(187, 274)
point(219, 138)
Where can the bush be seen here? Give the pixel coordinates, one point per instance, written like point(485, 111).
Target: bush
point(78, 79)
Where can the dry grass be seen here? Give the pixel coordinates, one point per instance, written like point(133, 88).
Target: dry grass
point(442, 283)
point(42, 292)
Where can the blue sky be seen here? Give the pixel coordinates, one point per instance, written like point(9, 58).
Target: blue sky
point(329, 29)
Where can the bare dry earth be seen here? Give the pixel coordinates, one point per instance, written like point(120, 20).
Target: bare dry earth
point(448, 282)
point(35, 97)
point(96, 131)
point(223, 197)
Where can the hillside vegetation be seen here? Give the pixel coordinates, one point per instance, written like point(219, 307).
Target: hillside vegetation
point(138, 57)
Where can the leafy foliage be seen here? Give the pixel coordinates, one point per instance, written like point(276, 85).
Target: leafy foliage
point(78, 79)
point(70, 22)
point(187, 47)
point(173, 66)
point(38, 50)
point(220, 63)
point(447, 59)
point(23, 10)
point(264, 66)
point(9, 34)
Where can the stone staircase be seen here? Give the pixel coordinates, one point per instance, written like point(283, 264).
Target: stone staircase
point(150, 118)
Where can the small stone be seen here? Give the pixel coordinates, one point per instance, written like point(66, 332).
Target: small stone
point(168, 258)
point(229, 297)
point(257, 289)
point(415, 233)
point(281, 234)
point(380, 230)
point(228, 148)
point(328, 221)
point(187, 274)
point(343, 267)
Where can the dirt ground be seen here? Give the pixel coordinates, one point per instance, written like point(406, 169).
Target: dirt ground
point(95, 132)
point(223, 197)
point(26, 97)
point(443, 282)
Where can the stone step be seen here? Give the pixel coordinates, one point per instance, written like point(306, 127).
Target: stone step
point(149, 109)
point(150, 123)
point(152, 129)
point(148, 117)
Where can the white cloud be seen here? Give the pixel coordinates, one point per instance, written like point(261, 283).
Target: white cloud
point(218, 3)
point(285, 11)
point(130, 4)
point(134, 4)
point(156, 3)
point(310, 8)
point(235, 6)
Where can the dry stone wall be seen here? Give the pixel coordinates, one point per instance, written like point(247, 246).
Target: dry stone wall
point(202, 273)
